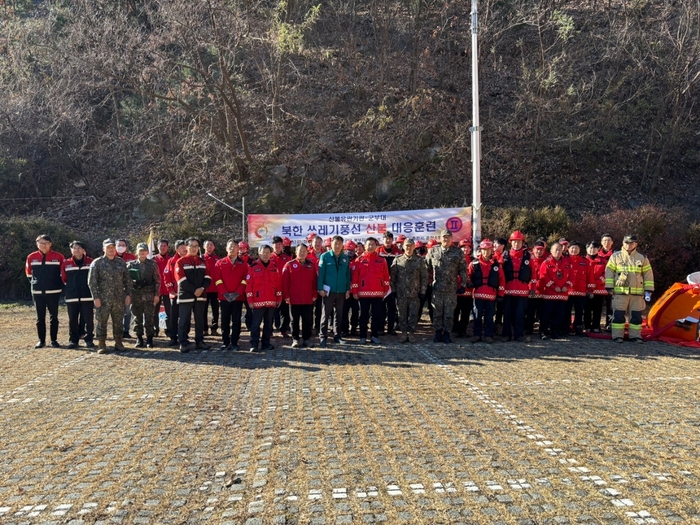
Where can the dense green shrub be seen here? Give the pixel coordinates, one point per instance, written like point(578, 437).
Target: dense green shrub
point(547, 222)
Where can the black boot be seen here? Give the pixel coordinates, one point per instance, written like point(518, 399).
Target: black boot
point(438, 336)
point(149, 341)
point(139, 341)
point(446, 337)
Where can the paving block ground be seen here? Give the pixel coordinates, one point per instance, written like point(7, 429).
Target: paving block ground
point(576, 431)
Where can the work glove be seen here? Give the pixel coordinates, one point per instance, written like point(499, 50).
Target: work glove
point(461, 290)
point(229, 297)
point(647, 296)
point(621, 280)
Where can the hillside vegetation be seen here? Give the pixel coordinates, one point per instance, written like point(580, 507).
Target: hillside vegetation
point(120, 114)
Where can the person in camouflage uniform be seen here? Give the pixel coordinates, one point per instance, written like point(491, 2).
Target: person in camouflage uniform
point(145, 278)
point(111, 289)
point(447, 263)
point(409, 279)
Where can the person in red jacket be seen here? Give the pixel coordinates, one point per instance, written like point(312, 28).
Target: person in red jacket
point(212, 295)
point(606, 250)
point(595, 287)
point(171, 287)
point(230, 279)
point(264, 292)
point(485, 277)
point(370, 284)
point(517, 269)
point(281, 255)
point(534, 302)
point(43, 269)
point(299, 279)
point(465, 301)
point(315, 253)
point(578, 290)
point(79, 302)
point(553, 285)
point(161, 261)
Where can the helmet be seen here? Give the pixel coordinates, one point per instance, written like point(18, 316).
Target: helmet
point(419, 244)
point(517, 235)
point(431, 243)
point(243, 246)
point(486, 244)
point(350, 245)
point(401, 238)
point(328, 242)
point(465, 242)
point(310, 237)
point(286, 241)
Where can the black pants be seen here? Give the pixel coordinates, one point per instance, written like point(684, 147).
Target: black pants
point(332, 306)
point(282, 317)
point(390, 309)
point(500, 310)
point(514, 312)
point(577, 303)
point(318, 311)
point(483, 319)
point(81, 315)
point(552, 316)
point(592, 312)
point(165, 303)
point(265, 317)
point(43, 302)
point(376, 305)
point(534, 312)
point(351, 309)
point(173, 319)
point(213, 300)
point(231, 321)
point(462, 312)
point(608, 310)
point(303, 313)
point(185, 312)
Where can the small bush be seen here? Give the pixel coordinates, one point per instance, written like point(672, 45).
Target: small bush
point(548, 222)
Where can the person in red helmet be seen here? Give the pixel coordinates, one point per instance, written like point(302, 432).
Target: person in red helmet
point(518, 273)
point(280, 257)
point(243, 249)
point(351, 308)
point(553, 285)
point(327, 244)
point(399, 242)
point(465, 301)
point(488, 282)
point(578, 290)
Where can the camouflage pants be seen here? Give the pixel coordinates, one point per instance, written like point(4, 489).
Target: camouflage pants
point(142, 309)
point(114, 307)
point(444, 304)
point(408, 313)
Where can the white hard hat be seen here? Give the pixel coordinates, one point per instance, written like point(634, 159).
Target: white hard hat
point(694, 278)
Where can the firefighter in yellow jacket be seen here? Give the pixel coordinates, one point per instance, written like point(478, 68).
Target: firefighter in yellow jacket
point(630, 281)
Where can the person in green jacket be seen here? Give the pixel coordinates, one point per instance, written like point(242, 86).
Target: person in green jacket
point(334, 287)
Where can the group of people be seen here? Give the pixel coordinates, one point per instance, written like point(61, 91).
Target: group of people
point(338, 289)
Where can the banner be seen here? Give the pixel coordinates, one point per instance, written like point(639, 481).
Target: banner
point(422, 225)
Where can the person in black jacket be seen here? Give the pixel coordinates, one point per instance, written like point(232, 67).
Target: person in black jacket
point(43, 269)
point(192, 283)
point(81, 315)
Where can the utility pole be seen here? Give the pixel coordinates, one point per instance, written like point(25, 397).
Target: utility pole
point(476, 133)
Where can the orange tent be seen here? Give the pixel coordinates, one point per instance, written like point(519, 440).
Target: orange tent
point(675, 317)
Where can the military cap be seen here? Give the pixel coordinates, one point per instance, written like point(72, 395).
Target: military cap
point(445, 232)
point(142, 246)
point(107, 242)
point(630, 237)
point(409, 240)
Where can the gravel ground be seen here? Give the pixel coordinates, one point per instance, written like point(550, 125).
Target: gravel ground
point(576, 431)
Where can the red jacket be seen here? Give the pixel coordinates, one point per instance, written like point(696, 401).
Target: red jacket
point(299, 282)
point(169, 275)
point(487, 279)
point(210, 261)
point(605, 255)
point(162, 262)
point(536, 262)
point(579, 275)
point(553, 275)
point(263, 285)
point(44, 272)
point(230, 276)
point(370, 276)
point(596, 275)
point(280, 260)
point(127, 256)
point(515, 286)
